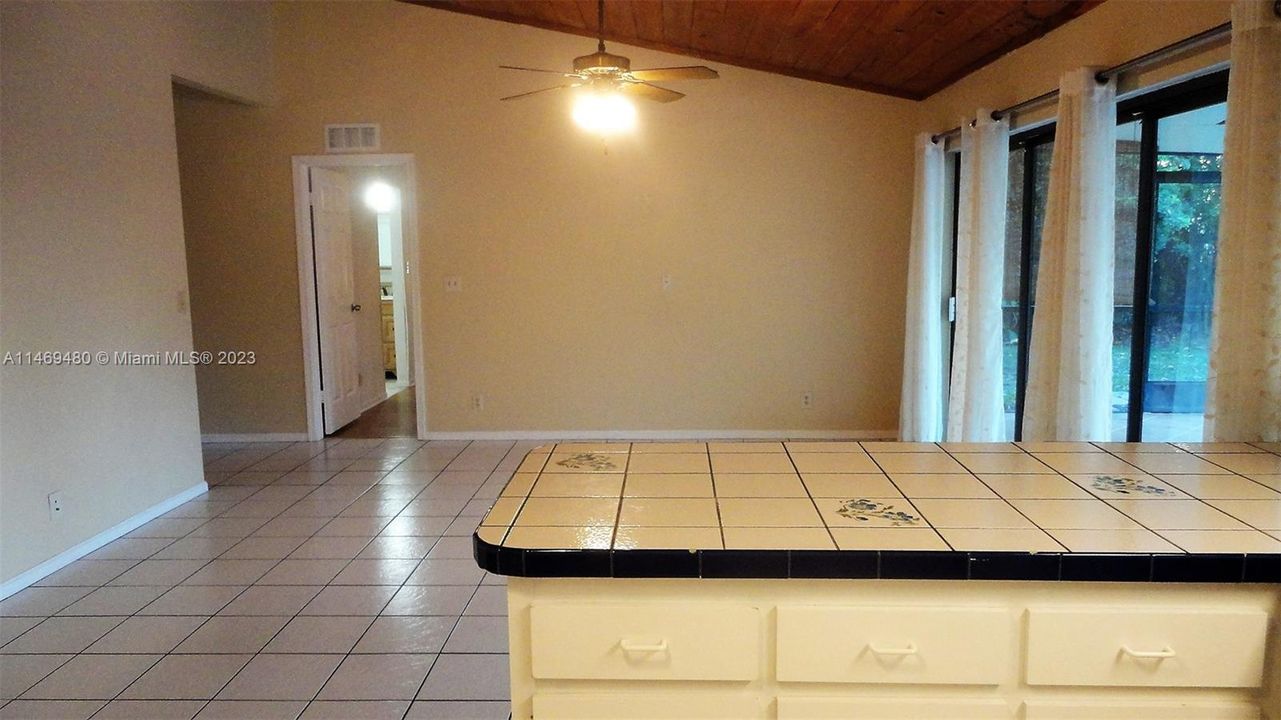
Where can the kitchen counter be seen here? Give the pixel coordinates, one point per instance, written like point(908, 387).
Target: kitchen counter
point(820, 580)
point(1049, 511)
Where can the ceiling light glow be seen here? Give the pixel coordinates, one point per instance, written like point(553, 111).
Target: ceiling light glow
point(604, 113)
point(381, 197)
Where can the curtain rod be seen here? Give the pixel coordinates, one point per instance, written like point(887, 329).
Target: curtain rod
point(1103, 76)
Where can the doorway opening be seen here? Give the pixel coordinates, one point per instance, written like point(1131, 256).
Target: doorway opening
point(362, 353)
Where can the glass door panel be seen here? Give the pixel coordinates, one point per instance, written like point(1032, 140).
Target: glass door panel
point(1011, 288)
point(1128, 144)
point(1185, 234)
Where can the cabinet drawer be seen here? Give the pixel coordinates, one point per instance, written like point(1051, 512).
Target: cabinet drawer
point(644, 642)
point(666, 705)
point(1146, 648)
point(844, 708)
point(1137, 710)
point(970, 646)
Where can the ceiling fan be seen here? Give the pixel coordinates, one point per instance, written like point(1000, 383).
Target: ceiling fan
point(605, 72)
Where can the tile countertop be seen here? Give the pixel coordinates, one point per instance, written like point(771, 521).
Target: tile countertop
point(1133, 512)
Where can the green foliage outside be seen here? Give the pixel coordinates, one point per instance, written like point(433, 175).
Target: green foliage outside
point(1185, 239)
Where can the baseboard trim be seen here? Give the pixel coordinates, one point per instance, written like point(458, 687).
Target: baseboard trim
point(665, 435)
point(66, 557)
point(253, 437)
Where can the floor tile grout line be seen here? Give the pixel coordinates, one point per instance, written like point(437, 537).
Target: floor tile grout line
point(457, 620)
point(400, 588)
point(253, 584)
point(208, 618)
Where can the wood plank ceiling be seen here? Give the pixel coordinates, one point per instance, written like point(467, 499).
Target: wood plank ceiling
point(906, 48)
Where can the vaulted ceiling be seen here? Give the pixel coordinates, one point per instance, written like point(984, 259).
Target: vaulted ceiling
point(906, 48)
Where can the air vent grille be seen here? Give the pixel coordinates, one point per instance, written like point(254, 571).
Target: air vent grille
point(355, 137)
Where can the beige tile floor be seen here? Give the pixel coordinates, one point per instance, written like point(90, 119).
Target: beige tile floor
point(314, 580)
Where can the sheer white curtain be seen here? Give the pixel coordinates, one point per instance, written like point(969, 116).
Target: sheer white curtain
point(1069, 386)
point(976, 411)
point(1243, 395)
point(921, 408)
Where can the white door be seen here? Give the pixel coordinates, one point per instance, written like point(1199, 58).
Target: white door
point(335, 296)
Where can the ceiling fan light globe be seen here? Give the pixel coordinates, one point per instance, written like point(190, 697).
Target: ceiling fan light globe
point(604, 113)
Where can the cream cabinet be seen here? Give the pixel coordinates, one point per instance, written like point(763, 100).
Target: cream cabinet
point(388, 332)
point(930, 646)
point(1193, 647)
point(645, 642)
point(695, 704)
point(673, 649)
point(903, 708)
point(1139, 710)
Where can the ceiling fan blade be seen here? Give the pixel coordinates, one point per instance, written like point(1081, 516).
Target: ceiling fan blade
point(693, 72)
point(537, 70)
point(535, 92)
point(651, 92)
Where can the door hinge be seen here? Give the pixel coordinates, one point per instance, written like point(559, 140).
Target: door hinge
point(951, 309)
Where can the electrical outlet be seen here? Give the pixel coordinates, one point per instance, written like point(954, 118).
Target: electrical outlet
point(668, 282)
point(453, 283)
point(807, 399)
point(55, 505)
point(477, 403)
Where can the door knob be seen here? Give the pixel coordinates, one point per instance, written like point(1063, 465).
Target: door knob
point(355, 307)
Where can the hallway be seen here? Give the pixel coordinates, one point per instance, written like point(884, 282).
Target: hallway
point(394, 417)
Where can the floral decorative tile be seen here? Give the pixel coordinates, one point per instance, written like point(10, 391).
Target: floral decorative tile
point(593, 461)
point(1128, 486)
point(866, 510)
point(683, 495)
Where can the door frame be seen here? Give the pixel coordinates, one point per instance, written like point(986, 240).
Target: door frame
point(302, 165)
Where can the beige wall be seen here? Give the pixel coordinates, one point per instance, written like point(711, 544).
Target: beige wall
point(779, 207)
point(1111, 34)
point(92, 255)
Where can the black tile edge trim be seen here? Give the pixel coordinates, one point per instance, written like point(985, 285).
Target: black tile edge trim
point(840, 564)
point(743, 563)
point(1106, 568)
point(872, 564)
point(568, 563)
point(1198, 568)
point(1014, 566)
point(924, 565)
point(656, 564)
point(1262, 569)
point(486, 553)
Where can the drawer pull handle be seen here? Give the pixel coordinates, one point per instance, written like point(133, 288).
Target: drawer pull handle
point(1148, 654)
point(629, 646)
point(895, 652)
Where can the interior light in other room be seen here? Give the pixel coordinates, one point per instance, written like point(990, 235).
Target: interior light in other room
point(605, 113)
point(380, 197)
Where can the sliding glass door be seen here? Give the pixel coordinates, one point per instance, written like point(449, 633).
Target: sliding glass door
point(1169, 403)
point(1029, 173)
point(1169, 156)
